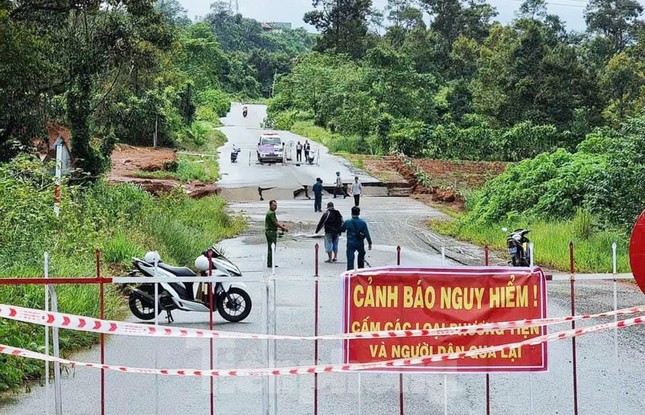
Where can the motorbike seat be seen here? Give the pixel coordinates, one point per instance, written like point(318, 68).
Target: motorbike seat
point(178, 271)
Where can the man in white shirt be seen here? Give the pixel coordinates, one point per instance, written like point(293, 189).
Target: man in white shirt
point(357, 189)
point(338, 188)
point(298, 151)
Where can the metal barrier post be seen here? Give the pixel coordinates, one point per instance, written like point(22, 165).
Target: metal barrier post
point(210, 326)
point(486, 262)
point(573, 326)
point(265, 382)
point(445, 377)
point(401, 408)
point(273, 258)
point(156, 263)
point(102, 336)
point(614, 267)
point(274, 349)
point(46, 269)
point(316, 274)
point(58, 398)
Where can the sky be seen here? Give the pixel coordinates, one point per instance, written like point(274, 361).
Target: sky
point(571, 11)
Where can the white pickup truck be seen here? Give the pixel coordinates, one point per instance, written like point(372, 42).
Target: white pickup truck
point(270, 148)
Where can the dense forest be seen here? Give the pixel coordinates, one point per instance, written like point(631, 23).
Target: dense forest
point(116, 71)
point(443, 79)
point(427, 78)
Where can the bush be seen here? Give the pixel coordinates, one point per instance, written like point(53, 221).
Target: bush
point(122, 220)
point(604, 178)
point(215, 100)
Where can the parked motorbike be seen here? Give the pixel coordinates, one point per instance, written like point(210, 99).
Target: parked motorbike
point(234, 154)
point(518, 248)
point(245, 112)
point(229, 298)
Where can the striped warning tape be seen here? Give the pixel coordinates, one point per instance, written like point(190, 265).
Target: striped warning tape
point(74, 322)
point(304, 370)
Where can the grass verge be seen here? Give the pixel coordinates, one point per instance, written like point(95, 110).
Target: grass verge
point(123, 221)
point(592, 249)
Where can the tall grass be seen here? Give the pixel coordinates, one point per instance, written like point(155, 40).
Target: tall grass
point(334, 142)
point(592, 246)
point(194, 167)
point(121, 220)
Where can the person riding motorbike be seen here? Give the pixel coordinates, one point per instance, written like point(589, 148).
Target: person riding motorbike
point(245, 111)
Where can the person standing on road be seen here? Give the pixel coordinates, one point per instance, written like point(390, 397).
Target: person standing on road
point(357, 232)
point(357, 190)
point(298, 151)
point(338, 189)
point(307, 149)
point(318, 191)
point(332, 221)
point(271, 226)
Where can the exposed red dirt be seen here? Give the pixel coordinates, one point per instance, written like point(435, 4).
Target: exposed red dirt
point(449, 178)
point(128, 160)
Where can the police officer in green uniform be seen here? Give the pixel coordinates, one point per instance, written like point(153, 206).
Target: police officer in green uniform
point(271, 226)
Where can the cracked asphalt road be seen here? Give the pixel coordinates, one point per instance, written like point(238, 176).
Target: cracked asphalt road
point(610, 369)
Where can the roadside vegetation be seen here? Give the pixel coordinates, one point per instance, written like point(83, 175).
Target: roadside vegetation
point(122, 221)
point(194, 162)
point(565, 110)
point(119, 73)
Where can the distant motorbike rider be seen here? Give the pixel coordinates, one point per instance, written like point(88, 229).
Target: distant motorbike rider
point(245, 111)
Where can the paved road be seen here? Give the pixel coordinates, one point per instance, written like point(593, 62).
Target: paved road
point(608, 383)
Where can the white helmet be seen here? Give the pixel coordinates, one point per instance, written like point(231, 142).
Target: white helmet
point(201, 263)
point(152, 257)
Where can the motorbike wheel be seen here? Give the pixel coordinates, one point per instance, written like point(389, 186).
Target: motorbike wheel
point(142, 308)
point(237, 308)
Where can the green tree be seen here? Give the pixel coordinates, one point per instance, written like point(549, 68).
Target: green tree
point(623, 80)
point(398, 89)
point(405, 19)
point(25, 85)
point(617, 20)
point(533, 9)
point(93, 40)
point(173, 11)
point(343, 25)
point(452, 18)
point(200, 56)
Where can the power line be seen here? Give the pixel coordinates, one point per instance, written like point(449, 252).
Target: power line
point(563, 4)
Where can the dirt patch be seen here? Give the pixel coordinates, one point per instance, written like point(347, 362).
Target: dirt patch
point(386, 169)
point(460, 174)
point(449, 178)
point(128, 160)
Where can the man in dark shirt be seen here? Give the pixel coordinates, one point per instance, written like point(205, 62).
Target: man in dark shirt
point(298, 151)
point(271, 226)
point(332, 221)
point(357, 232)
point(318, 191)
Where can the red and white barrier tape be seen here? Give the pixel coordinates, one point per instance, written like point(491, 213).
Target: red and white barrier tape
point(304, 370)
point(74, 322)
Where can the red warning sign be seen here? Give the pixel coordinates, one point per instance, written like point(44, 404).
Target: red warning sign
point(398, 298)
point(637, 252)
